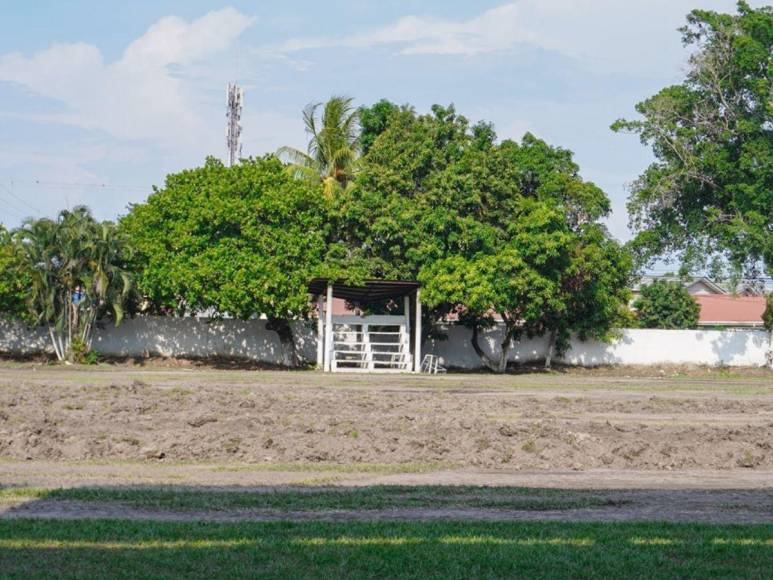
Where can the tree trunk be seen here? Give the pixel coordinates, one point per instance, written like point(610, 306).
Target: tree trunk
point(485, 359)
point(285, 331)
point(770, 350)
point(504, 351)
point(57, 349)
point(551, 349)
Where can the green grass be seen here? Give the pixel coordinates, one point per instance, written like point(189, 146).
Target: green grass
point(358, 498)
point(329, 467)
point(135, 549)
point(268, 466)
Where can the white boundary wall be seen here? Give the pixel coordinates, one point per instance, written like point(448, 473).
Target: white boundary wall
point(175, 337)
point(201, 337)
point(733, 347)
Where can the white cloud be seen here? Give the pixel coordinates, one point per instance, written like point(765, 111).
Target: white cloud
point(137, 96)
point(610, 35)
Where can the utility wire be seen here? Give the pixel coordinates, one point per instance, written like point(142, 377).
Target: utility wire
point(82, 185)
point(29, 205)
point(14, 205)
point(13, 210)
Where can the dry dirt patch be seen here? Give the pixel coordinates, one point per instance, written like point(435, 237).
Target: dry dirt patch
point(481, 421)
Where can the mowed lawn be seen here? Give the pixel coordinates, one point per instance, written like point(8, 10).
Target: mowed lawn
point(137, 549)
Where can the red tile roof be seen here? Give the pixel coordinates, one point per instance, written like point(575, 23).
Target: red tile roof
point(724, 309)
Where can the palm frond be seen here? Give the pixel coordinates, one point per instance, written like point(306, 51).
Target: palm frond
point(296, 157)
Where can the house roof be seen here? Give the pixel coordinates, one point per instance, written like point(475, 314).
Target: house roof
point(727, 309)
point(369, 291)
point(712, 286)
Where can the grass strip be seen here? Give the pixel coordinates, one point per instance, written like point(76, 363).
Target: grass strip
point(137, 549)
point(310, 499)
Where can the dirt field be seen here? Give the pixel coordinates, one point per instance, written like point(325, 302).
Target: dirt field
point(520, 422)
point(665, 444)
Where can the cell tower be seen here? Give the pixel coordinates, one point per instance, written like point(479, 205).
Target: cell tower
point(235, 99)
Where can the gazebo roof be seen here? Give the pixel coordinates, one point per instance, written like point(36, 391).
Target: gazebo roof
point(370, 291)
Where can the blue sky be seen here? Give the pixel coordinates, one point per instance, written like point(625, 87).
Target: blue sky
point(100, 100)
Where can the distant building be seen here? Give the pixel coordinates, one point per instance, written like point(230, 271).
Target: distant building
point(695, 286)
point(730, 311)
point(742, 309)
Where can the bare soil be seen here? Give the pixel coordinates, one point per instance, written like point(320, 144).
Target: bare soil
point(564, 421)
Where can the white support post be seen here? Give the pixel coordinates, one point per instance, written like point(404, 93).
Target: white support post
point(417, 334)
point(405, 340)
point(320, 332)
point(368, 351)
point(407, 308)
point(329, 354)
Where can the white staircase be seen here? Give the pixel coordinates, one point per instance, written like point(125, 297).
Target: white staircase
point(381, 344)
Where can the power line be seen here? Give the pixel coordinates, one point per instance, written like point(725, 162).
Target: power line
point(13, 205)
point(29, 205)
point(83, 185)
point(13, 210)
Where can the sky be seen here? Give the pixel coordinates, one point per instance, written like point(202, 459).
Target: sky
point(100, 100)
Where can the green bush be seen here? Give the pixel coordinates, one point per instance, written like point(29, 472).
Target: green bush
point(666, 305)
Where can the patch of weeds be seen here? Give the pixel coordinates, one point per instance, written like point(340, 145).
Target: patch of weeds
point(232, 445)
point(748, 460)
point(529, 446)
point(482, 444)
point(13, 493)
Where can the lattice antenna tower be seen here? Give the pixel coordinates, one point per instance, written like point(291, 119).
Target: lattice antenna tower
point(235, 100)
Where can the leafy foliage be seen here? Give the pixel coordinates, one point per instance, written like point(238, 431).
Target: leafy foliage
point(239, 241)
point(333, 145)
point(710, 189)
point(665, 304)
point(13, 280)
point(767, 315)
point(507, 229)
point(374, 121)
point(76, 270)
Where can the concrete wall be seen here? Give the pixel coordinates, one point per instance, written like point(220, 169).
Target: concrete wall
point(739, 347)
point(175, 337)
point(199, 337)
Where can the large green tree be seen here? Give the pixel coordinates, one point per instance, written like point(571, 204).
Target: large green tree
point(709, 192)
point(506, 230)
point(373, 121)
point(75, 267)
point(239, 241)
point(333, 148)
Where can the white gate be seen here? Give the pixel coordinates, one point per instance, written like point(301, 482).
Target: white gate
point(370, 344)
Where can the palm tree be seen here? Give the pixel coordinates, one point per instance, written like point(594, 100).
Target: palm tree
point(333, 149)
point(75, 266)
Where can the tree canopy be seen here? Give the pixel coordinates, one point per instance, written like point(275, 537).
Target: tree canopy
point(666, 304)
point(709, 192)
point(507, 229)
point(240, 241)
point(14, 281)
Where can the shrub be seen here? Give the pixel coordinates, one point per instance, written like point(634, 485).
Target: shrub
point(666, 305)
